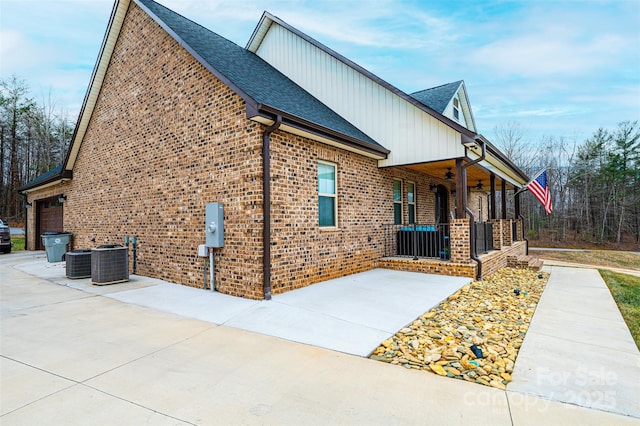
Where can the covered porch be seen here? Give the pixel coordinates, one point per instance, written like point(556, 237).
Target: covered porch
point(476, 223)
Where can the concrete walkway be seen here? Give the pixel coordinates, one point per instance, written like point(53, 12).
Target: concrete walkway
point(553, 262)
point(578, 348)
point(79, 357)
point(352, 314)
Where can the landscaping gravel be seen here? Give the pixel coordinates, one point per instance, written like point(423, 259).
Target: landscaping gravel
point(475, 334)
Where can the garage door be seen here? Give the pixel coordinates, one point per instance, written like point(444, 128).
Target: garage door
point(49, 218)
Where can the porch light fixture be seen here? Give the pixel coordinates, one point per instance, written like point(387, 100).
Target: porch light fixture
point(449, 175)
point(62, 198)
point(479, 185)
point(27, 205)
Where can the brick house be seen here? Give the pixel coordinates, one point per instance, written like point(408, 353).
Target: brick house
point(324, 169)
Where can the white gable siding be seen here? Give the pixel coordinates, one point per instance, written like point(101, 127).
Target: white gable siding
point(412, 135)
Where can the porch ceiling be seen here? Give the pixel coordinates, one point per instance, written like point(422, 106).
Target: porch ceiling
point(474, 173)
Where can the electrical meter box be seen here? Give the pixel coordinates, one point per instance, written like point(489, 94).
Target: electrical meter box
point(214, 225)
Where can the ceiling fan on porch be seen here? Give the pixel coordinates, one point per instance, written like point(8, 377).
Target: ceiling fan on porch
point(449, 175)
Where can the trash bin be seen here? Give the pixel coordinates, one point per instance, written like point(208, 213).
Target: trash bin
point(55, 244)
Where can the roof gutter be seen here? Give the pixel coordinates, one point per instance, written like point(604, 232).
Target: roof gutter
point(266, 206)
point(472, 229)
point(313, 128)
point(61, 177)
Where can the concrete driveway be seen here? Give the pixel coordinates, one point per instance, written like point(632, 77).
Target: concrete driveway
point(352, 314)
point(76, 357)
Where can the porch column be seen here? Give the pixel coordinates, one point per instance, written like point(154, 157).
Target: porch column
point(497, 233)
point(504, 199)
point(461, 189)
point(492, 181)
point(506, 232)
point(459, 240)
point(516, 200)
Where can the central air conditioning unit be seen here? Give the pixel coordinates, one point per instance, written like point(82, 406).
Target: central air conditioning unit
point(78, 264)
point(109, 265)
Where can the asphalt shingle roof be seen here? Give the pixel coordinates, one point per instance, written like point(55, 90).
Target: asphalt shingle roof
point(43, 177)
point(437, 98)
point(252, 75)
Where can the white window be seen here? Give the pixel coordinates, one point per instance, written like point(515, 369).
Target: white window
point(397, 202)
point(327, 195)
point(411, 201)
point(456, 108)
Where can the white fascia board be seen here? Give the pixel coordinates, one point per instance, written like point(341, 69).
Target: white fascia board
point(466, 107)
point(498, 168)
point(259, 32)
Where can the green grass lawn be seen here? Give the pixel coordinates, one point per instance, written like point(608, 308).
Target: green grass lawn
point(18, 242)
point(626, 292)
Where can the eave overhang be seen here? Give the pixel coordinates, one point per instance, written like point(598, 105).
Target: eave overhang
point(496, 162)
point(56, 179)
point(254, 110)
point(116, 20)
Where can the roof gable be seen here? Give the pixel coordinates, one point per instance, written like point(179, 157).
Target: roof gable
point(440, 98)
point(249, 75)
point(266, 92)
point(265, 25)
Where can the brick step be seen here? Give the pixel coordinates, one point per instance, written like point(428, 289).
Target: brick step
point(527, 262)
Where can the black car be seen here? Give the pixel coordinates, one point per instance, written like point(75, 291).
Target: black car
point(5, 238)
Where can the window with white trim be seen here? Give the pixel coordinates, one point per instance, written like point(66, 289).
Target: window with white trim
point(411, 202)
point(327, 195)
point(456, 108)
point(397, 202)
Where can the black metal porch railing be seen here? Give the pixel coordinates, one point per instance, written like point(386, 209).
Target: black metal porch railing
point(417, 240)
point(514, 230)
point(484, 237)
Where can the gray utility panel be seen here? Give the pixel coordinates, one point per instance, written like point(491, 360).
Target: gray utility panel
point(214, 225)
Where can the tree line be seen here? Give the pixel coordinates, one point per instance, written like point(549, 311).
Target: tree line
point(595, 184)
point(34, 136)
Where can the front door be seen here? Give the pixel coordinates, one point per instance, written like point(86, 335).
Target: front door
point(442, 204)
point(49, 219)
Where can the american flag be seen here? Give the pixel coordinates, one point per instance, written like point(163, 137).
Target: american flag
point(540, 189)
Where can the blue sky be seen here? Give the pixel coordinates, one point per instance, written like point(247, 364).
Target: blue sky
point(557, 68)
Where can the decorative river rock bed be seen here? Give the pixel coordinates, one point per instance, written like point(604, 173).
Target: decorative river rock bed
point(475, 334)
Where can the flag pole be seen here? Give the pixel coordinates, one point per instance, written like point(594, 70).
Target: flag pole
point(524, 188)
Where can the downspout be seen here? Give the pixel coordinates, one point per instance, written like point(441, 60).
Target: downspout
point(266, 206)
point(472, 230)
point(519, 215)
point(26, 221)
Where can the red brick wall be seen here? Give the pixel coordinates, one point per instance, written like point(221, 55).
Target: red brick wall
point(166, 138)
point(302, 252)
point(497, 259)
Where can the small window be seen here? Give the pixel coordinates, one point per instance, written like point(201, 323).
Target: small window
point(327, 199)
point(411, 202)
point(456, 109)
point(397, 202)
